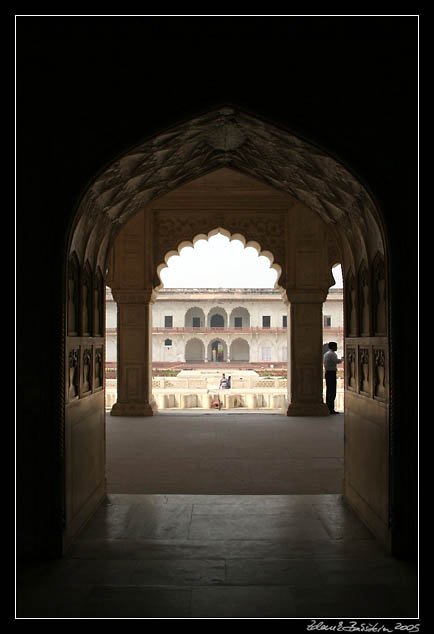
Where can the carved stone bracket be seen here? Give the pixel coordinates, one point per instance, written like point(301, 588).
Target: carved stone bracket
point(143, 296)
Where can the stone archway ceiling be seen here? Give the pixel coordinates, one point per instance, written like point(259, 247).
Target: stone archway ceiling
point(222, 138)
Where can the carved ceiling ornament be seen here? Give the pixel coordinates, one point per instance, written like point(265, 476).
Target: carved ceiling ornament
point(223, 137)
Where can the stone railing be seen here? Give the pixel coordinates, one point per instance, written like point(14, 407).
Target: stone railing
point(161, 382)
point(268, 397)
point(227, 399)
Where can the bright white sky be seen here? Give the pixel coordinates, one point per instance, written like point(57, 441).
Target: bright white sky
point(221, 263)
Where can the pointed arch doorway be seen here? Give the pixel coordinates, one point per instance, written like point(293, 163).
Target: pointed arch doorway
point(217, 351)
point(309, 212)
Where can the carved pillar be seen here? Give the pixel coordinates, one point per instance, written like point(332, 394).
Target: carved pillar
point(134, 362)
point(305, 375)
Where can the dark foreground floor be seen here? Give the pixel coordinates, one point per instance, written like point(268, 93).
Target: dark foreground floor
point(216, 556)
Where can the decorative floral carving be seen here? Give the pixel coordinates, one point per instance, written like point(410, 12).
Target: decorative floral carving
point(379, 373)
point(73, 374)
point(364, 370)
point(351, 368)
point(87, 371)
point(99, 365)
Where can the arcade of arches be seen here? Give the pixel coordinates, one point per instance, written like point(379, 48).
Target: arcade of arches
point(231, 173)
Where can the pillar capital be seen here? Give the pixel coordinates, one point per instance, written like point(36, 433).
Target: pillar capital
point(306, 296)
point(141, 296)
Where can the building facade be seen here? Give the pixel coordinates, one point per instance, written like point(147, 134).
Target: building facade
point(209, 325)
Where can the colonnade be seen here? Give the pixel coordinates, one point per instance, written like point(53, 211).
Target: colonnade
point(134, 359)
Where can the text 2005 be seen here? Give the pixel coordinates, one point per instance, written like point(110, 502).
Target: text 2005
point(407, 628)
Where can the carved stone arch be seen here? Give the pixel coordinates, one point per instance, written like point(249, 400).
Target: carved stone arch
point(224, 345)
point(334, 253)
point(214, 312)
point(73, 299)
point(194, 312)
point(98, 303)
point(235, 141)
point(92, 247)
point(364, 300)
point(239, 350)
point(186, 151)
point(86, 301)
point(194, 350)
point(239, 311)
point(103, 254)
point(379, 296)
point(351, 305)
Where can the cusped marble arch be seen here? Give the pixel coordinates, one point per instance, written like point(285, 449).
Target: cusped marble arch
point(206, 236)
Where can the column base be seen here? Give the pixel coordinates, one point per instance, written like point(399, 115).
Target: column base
point(133, 409)
point(307, 409)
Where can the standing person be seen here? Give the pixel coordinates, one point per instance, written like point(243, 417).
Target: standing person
point(229, 382)
point(223, 382)
point(330, 362)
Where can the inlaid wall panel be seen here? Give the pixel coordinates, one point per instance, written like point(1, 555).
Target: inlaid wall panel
point(73, 316)
point(364, 301)
point(86, 301)
point(351, 305)
point(364, 371)
point(379, 296)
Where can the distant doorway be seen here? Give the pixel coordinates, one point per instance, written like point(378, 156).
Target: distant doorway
point(217, 321)
point(217, 352)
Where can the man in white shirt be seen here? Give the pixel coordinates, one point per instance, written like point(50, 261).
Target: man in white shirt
point(330, 362)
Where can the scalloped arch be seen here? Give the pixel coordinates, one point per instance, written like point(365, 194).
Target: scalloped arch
point(236, 236)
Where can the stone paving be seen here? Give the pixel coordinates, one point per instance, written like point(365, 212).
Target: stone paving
point(235, 545)
point(220, 452)
point(201, 556)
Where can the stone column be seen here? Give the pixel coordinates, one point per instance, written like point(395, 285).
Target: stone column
point(134, 362)
point(305, 368)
